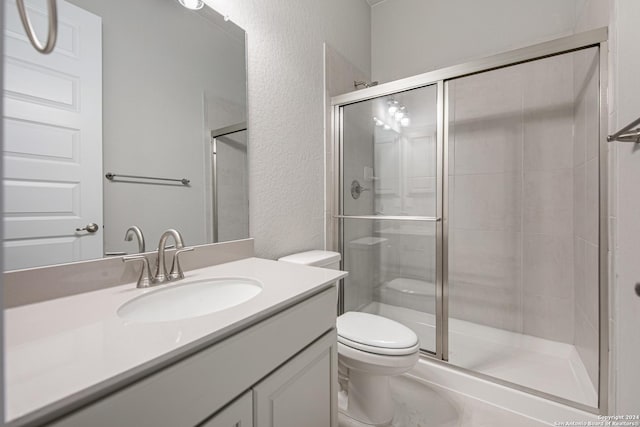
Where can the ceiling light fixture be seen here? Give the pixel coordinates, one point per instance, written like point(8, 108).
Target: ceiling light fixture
point(192, 4)
point(393, 107)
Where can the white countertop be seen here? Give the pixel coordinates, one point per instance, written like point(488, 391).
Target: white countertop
point(58, 350)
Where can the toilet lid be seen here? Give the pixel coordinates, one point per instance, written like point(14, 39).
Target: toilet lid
point(375, 334)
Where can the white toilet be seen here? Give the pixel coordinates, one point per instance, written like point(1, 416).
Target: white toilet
point(371, 349)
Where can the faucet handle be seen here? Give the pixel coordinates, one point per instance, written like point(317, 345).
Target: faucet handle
point(145, 279)
point(176, 269)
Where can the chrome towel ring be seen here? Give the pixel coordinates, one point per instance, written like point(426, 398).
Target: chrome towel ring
point(52, 34)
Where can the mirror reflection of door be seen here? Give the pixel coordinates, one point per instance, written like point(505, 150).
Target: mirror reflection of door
point(53, 140)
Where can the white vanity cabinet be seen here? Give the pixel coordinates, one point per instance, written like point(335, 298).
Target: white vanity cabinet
point(300, 393)
point(279, 372)
point(238, 414)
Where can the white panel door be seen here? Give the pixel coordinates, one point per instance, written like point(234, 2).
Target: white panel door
point(52, 139)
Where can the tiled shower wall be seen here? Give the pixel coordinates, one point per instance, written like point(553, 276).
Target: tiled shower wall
point(585, 208)
point(547, 261)
point(486, 135)
point(512, 197)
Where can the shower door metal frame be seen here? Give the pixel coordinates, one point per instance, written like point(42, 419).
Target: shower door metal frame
point(215, 134)
point(594, 38)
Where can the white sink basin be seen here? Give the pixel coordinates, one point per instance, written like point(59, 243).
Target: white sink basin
point(189, 299)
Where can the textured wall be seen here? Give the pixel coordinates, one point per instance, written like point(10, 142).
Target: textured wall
point(286, 110)
point(414, 36)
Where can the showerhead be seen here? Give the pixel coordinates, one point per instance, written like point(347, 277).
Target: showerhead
point(362, 83)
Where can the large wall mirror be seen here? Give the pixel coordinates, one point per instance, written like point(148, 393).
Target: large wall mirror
point(134, 91)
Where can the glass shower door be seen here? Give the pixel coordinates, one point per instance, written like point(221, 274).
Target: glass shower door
point(389, 208)
point(524, 239)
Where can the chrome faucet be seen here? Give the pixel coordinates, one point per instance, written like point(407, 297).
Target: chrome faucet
point(146, 278)
point(161, 268)
point(134, 230)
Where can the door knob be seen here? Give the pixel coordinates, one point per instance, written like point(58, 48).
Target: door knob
point(91, 227)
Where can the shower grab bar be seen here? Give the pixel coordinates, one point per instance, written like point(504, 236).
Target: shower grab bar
point(52, 33)
point(391, 218)
point(626, 134)
point(110, 176)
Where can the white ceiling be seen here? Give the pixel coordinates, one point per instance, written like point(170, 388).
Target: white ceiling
point(374, 2)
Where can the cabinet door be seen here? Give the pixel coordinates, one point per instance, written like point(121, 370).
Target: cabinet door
point(303, 392)
point(237, 414)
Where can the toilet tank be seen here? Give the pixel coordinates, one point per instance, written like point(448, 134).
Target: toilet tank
point(316, 258)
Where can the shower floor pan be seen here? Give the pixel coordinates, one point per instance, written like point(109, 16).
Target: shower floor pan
point(548, 366)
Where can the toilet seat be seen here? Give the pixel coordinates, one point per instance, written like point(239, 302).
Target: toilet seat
point(376, 334)
point(382, 351)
